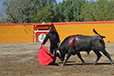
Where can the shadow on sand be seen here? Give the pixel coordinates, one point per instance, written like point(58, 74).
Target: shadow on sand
point(71, 63)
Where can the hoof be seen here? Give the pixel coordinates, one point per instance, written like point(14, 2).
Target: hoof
point(94, 63)
point(83, 63)
point(112, 64)
point(63, 65)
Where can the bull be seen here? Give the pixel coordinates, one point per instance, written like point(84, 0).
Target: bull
point(76, 43)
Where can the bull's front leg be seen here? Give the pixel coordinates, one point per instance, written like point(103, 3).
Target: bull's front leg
point(68, 55)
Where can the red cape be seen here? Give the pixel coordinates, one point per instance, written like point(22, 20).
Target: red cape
point(44, 56)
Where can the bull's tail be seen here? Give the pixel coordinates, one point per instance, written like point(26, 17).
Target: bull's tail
point(98, 34)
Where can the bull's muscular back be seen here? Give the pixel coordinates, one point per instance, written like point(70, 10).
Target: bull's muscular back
point(89, 43)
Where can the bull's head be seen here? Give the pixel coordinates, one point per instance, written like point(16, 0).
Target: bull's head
point(60, 54)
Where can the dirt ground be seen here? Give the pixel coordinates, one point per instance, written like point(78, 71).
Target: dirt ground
point(21, 60)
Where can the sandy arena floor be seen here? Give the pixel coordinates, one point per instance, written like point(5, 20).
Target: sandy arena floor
point(21, 60)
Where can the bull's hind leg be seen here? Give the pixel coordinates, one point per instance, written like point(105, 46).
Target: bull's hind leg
point(79, 55)
point(98, 56)
point(107, 55)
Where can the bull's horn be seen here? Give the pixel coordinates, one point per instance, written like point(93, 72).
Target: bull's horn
point(59, 53)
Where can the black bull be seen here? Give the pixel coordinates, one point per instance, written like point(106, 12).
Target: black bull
point(76, 43)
